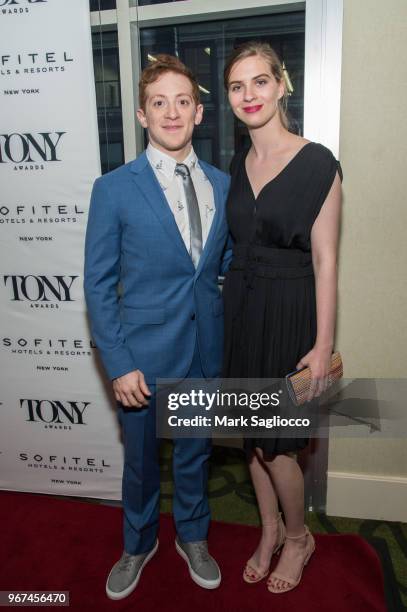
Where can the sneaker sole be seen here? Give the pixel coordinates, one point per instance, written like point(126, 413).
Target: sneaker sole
point(132, 586)
point(205, 584)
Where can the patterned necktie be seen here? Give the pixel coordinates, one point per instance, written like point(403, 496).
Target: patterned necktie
point(195, 225)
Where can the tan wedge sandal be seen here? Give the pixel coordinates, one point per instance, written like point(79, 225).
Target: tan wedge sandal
point(310, 547)
point(250, 574)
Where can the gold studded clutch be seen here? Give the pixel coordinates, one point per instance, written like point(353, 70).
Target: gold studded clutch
point(299, 382)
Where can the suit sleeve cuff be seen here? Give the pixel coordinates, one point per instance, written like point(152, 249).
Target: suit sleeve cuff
point(118, 362)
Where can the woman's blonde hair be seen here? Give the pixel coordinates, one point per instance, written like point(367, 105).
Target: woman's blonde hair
point(264, 50)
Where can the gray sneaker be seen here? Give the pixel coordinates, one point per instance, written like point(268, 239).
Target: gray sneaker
point(125, 574)
point(203, 568)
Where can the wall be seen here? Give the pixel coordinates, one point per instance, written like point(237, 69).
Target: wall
point(371, 330)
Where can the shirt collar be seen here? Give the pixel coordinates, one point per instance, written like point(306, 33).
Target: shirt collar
point(165, 163)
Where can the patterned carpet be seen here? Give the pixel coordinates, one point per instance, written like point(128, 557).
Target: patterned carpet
point(232, 500)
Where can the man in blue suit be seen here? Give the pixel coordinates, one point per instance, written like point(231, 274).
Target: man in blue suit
point(157, 229)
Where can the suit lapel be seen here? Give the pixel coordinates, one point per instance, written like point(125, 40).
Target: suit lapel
point(148, 184)
point(150, 187)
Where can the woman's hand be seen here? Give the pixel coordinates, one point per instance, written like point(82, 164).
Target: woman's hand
point(319, 361)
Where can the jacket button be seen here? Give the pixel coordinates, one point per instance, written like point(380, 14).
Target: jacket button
point(193, 317)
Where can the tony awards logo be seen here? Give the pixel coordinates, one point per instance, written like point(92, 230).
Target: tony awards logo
point(54, 413)
point(16, 7)
point(29, 151)
point(40, 291)
point(15, 2)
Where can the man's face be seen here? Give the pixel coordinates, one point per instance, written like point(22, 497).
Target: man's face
point(170, 113)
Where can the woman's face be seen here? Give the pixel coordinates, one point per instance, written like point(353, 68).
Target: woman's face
point(254, 92)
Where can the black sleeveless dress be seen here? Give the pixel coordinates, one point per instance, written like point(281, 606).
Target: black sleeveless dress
point(269, 290)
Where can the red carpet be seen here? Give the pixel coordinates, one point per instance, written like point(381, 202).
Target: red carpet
point(52, 544)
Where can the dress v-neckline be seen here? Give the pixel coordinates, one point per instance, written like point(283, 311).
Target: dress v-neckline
point(255, 198)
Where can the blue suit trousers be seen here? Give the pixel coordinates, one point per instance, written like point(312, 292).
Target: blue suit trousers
point(141, 477)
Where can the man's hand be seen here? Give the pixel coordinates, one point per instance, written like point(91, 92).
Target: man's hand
point(131, 389)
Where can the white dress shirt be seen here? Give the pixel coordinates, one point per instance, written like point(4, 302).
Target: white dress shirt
point(171, 184)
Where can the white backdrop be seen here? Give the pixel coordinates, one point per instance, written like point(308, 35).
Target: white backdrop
point(58, 428)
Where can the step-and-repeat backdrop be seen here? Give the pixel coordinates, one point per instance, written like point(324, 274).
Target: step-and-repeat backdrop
point(59, 432)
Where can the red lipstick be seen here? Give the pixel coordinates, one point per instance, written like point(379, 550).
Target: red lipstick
point(252, 109)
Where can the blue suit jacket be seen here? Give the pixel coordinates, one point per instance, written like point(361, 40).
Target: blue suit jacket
point(132, 240)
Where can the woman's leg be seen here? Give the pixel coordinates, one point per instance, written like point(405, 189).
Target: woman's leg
point(268, 507)
point(288, 482)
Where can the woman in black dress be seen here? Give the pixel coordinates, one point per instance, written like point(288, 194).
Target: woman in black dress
point(280, 292)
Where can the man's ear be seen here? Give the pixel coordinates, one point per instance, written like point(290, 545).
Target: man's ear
point(142, 119)
point(198, 114)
